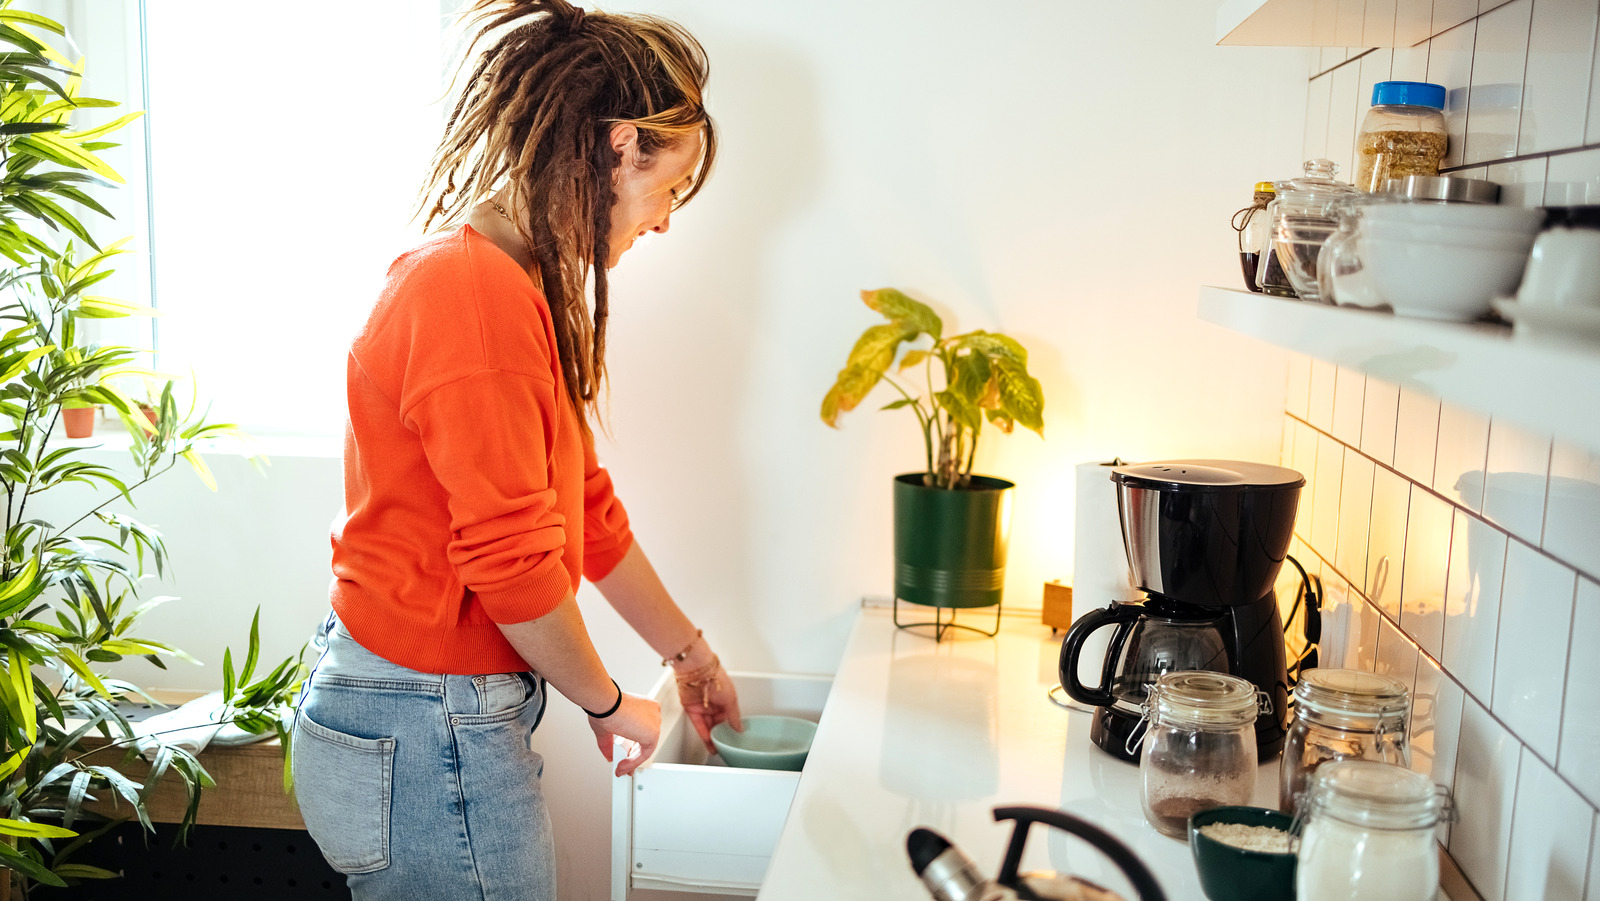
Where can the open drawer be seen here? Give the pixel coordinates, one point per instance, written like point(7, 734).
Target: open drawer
point(687, 822)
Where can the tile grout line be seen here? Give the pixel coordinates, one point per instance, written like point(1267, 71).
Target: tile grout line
point(1511, 825)
point(1423, 653)
point(1583, 573)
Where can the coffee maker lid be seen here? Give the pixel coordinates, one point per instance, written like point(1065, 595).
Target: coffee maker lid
point(1206, 475)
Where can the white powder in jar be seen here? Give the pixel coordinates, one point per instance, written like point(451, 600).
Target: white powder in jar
point(1340, 861)
point(1249, 838)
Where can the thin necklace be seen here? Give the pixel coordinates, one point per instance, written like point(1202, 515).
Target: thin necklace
point(507, 216)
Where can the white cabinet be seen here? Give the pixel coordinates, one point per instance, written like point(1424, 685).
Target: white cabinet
point(684, 821)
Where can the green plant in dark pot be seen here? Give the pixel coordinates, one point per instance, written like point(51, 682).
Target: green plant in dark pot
point(950, 525)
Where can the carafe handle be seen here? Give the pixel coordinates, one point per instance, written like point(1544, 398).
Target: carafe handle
point(1072, 649)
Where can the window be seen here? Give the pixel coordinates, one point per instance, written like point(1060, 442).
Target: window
point(271, 181)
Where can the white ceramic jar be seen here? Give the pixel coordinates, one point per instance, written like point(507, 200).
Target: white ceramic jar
point(1369, 833)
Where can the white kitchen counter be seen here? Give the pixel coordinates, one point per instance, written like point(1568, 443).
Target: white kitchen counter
point(938, 735)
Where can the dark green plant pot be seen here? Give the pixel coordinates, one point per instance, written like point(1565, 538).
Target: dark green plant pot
point(950, 546)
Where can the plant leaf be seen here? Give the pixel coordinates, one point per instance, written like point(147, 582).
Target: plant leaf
point(911, 315)
point(869, 359)
point(33, 830)
point(66, 153)
point(27, 866)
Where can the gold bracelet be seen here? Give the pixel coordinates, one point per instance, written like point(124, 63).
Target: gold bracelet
point(704, 678)
point(683, 654)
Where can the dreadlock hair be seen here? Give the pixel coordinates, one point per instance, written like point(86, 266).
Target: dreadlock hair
point(537, 113)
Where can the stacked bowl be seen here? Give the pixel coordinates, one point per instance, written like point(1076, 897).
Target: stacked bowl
point(1445, 260)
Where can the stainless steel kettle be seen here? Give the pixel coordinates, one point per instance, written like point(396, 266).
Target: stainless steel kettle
point(950, 875)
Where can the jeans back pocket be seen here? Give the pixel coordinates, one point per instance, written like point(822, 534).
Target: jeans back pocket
point(343, 786)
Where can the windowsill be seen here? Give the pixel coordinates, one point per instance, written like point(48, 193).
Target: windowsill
point(111, 436)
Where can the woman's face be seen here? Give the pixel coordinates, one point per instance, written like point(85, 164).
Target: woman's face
point(644, 196)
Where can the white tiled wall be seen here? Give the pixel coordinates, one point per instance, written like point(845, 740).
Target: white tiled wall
point(1468, 565)
point(1521, 84)
point(1461, 553)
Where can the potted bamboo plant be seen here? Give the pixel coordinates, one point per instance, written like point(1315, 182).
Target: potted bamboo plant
point(950, 534)
point(70, 586)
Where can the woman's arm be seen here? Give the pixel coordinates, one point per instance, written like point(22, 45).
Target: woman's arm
point(557, 646)
point(634, 590)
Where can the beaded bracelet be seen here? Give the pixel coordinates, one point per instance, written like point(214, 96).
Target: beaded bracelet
point(683, 654)
point(613, 708)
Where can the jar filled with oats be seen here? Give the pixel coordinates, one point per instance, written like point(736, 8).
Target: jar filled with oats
point(1403, 134)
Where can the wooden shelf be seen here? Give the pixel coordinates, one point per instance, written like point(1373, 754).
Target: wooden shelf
point(249, 789)
point(1549, 388)
point(1333, 23)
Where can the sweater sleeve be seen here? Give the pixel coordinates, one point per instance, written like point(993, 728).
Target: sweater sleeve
point(490, 453)
point(606, 534)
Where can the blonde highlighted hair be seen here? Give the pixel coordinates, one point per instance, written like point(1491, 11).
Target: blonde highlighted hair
point(536, 112)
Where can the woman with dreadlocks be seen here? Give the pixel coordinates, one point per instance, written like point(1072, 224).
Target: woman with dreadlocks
point(473, 500)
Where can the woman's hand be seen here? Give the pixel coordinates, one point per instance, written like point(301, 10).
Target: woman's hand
point(638, 719)
point(709, 698)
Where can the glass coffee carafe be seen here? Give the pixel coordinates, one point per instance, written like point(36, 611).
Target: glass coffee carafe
point(1150, 638)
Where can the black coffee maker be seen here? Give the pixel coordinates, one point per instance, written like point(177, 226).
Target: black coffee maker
point(1205, 540)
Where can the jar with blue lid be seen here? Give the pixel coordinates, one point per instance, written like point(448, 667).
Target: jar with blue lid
point(1404, 133)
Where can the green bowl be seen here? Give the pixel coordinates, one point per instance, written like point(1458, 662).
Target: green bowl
point(767, 742)
point(1228, 873)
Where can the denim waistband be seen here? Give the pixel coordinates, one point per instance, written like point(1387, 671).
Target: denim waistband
point(345, 660)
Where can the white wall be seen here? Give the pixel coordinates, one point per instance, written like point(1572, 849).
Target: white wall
point(1489, 534)
point(1061, 171)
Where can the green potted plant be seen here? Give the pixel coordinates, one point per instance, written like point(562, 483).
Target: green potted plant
point(950, 525)
point(70, 586)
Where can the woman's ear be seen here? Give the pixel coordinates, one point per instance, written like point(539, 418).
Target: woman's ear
point(625, 141)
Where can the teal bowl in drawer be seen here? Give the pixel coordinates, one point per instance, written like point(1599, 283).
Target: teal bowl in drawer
point(767, 743)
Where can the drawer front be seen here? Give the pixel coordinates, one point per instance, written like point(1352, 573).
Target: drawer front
point(681, 822)
point(714, 810)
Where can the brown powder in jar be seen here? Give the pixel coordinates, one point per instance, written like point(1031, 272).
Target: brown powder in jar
point(1249, 838)
point(1171, 815)
point(1384, 155)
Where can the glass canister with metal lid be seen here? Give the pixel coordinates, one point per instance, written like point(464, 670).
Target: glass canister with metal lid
point(1304, 217)
point(1368, 832)
point(1199, 748)
point(1342, 714)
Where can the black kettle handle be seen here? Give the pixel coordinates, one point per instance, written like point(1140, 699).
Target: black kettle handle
point(1144, 882)
point(1072, 649)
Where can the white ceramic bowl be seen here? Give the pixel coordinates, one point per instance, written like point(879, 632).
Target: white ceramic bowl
point(1489, 238)
point(1440, 281)
point(1525, 220)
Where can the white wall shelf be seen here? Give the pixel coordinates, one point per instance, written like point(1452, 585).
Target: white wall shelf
point(1550, 388)
point(1333, 23)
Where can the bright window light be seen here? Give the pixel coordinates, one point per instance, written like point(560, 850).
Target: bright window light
point(285, 145)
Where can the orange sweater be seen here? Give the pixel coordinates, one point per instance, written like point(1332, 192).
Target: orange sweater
point(472, 497)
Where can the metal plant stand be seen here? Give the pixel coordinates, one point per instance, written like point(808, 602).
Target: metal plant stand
point(940, 626)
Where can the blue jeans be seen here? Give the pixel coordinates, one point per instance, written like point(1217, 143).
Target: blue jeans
point(420, 785)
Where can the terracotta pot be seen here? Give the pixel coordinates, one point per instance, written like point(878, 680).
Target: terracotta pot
point(78, 421)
